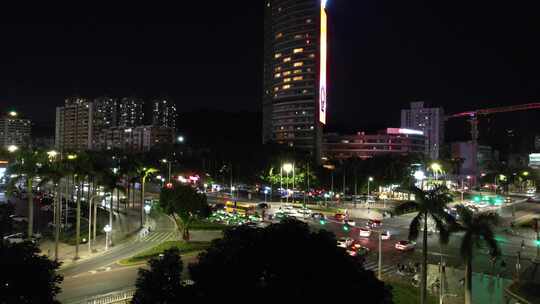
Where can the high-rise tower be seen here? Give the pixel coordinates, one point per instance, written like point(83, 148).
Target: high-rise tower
point(295, 51)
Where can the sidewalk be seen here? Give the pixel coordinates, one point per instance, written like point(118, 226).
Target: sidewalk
point(124, 230)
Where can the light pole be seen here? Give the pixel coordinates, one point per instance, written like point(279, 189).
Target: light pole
point(168, 162)
point(370, 179)
point(147, 209)
point(265, 194)
point(107, 230)
point(288, 167)
point(380, 256)
point(146, 172)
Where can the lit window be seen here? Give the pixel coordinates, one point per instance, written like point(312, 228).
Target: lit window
point(311, 55)
point(286, 80)
point(276, 89)
point(298, 64)
point(277, 69)
point(287, 59)
point(286, 73)
point(304, 91)
point(297, 71)
point(287, 86)
point(297, 78)
point(298, 36)
point(279, 35)
point(308, 20)
point(277, 55)
point(277, 75)
point(298, 50)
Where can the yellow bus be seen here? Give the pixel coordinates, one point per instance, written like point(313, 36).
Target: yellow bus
point(239, 208)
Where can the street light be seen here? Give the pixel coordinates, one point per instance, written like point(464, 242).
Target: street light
point(107, 229)
point(165, 161)
point(12, 148)
point(72, 156)
point(370, 179)
point(146, 172)
point(180, 139)
point(52, 153)
point(147, 209)
point(287, 167)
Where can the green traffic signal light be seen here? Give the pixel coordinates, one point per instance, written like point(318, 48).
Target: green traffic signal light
point(346, 227)
point(476, 198)
point(322, 222)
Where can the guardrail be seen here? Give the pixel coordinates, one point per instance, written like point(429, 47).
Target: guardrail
point(123, 296)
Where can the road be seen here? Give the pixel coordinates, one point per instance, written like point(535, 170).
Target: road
point(102, 274)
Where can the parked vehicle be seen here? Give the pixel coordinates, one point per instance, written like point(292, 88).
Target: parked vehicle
point(405, 245)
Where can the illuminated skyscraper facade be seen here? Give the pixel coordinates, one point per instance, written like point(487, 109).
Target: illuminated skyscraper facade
point(294, 96)
point(131, 112)
point(164, 113)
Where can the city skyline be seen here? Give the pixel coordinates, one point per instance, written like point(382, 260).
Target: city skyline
point(394, 57)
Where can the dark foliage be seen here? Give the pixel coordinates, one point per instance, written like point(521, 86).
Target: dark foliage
point(26, 276)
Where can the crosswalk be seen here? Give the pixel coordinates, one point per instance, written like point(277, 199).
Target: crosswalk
point(386, 269)
point(158, 236)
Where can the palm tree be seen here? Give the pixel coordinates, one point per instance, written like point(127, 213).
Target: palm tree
point(27, 167)
point(478, 230)
point(53, 172)
point(429, 205)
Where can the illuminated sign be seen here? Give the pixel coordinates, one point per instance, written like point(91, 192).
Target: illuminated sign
point(534, 160)
point(322, 64)
point(403, 131)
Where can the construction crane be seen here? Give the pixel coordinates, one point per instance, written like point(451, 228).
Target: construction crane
point(473, 115)
point(473, 120)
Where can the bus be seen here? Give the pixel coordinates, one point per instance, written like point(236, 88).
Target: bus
point(239, 208)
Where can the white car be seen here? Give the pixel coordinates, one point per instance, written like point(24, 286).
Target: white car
point(19, 218)
point(365, 232)
point(350, 222)
point(14, 238)
point(385, 235)
point(344, 242)
point(405, 245)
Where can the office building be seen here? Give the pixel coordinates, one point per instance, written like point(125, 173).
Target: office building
point(391, 141)
point(294, 90)
point(136, 139)
point(74, 125)
point(428, 120)
point(164, 113)
point(131, 112)
point(14, 130)
point(105, 116)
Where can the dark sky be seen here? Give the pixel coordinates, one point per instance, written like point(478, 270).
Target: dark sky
point(207, 54)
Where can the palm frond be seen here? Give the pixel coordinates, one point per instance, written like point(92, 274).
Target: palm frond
point(444, 231)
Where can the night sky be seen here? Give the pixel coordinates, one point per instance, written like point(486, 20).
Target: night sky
point(207, 54)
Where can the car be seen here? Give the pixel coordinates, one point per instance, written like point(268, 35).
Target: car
point(344, 242)
point(508, 200)
point(365, 232)
point(533, 200)
point(14, 238)
point(374, 223)
point(385, 235)
point(358, 250)
point(317, 215)
point(405, 245)
point(339, 216)
point(350, 222)
point(18, 218)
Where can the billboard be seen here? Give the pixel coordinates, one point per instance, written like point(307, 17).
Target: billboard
point(322, 63)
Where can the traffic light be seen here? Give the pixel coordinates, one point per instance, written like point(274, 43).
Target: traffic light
point(346, 227)
point(476, 198)
point(322, 221)
point(169, 185)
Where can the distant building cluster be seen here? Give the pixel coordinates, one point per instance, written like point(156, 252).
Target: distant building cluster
point(393, 141)
point(14, 130)
point(106, 123)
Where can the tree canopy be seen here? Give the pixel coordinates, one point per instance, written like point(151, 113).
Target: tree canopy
point(184, 204)
point(27, 276)
point(282, 261)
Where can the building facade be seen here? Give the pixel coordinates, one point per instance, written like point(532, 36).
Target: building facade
point(485, 157)
point(294, 90)
point(392, 141)
point(164, 113)
point(74, 125)
point(131, 112)
point(428, 120)
point(14, 130)
point(105, 116)
point(136, 139)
